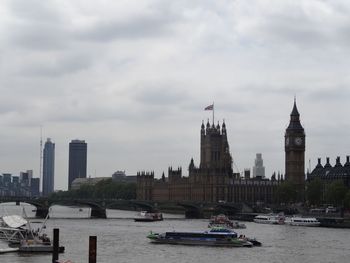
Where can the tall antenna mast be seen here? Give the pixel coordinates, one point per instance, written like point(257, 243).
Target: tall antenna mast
point(41, 159)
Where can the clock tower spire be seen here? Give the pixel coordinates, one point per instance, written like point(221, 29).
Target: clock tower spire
point(295, 151)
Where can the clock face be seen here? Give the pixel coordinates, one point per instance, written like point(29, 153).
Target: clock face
point(287, 141)
point(298, 141)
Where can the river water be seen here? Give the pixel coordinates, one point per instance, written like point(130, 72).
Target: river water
point(121, 240)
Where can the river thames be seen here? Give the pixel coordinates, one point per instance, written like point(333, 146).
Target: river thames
point(121, 240)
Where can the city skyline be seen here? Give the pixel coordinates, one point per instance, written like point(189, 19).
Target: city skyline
point(133, 81)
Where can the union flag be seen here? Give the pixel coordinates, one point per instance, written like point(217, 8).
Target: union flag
point(210, 107)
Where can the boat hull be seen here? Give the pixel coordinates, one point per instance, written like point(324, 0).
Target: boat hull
point(236, 243)
point(303, 221)
point(146, 219)
point(39, 249)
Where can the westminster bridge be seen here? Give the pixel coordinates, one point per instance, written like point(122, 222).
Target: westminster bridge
point(98, 206)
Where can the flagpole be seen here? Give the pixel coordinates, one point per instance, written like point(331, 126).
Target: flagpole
point(213, 113)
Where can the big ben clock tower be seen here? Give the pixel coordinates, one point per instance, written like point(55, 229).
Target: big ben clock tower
point(295, 150)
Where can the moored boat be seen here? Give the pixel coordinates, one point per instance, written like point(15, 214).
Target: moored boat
point(146, 216)
point(302, 221)
point(13, 228)
point(270, 219)
point(223, 221)
point(213, 237)
point(37, 246)
point(8, 250)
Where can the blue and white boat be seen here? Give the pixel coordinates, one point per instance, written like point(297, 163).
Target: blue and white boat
point(213, 237)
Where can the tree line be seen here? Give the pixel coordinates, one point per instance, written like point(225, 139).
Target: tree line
point(316, 193)
point(105, 189)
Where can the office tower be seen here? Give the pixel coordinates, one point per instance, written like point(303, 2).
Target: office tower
point(48, 167)
point(259, 169)
point(77, 161)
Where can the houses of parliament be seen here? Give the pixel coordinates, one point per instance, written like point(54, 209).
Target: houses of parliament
point(214, 180)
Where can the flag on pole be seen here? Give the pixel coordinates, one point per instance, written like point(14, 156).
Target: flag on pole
point(210, 107)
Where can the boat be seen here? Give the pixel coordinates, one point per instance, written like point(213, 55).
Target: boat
point(146, 216)
point(38, 244)
point(8, 250)
point(21, 236)
point(13, 228)
point(214, 237)
point(334, 222)
point(302, 221)
point(270, 219)
point(223, 221)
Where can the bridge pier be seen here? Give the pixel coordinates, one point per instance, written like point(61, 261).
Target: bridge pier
point(41, 212)
point(193, 214)
point(98, 212)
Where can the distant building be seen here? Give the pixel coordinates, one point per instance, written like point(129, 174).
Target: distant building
point(120, 176)
point(77, 161)
point(328, 173)
point(258, 168)
point(48, 167)
point(212, 181)
point(23, 185)
point(35, 187)
point(79, 182)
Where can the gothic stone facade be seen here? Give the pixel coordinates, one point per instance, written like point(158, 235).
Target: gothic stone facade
point(295, 152)
point(328, 173)
point(212, 181)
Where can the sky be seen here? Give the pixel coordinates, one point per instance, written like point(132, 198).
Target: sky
point(132, 79)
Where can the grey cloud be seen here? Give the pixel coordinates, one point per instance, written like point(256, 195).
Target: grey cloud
point(34, 10)
point(331, 93)
point(268, 89)
point(37, 25)
point(39, 37)
point(57, 65)
point(138, 27)
point(166, 95)
point(296, 27)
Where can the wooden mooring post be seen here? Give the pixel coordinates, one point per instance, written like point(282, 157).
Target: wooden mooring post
point(56, 245)
point(92, 249)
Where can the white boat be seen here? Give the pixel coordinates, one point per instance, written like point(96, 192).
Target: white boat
point(302, 221)
point(270, 219)
point(146, 216)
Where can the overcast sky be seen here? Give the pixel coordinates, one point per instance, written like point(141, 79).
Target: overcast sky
point(132, 78)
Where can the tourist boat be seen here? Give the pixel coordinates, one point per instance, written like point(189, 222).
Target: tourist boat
point(213, 237)
point(302, 221)
point(146, 216)
point(223, 221)
point(270, 219)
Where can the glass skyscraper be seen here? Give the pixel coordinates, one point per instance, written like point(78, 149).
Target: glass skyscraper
point(77, 161)
point(48, 167)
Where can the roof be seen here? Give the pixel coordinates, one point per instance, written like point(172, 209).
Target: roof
point(294, 123)
point(14, 221)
